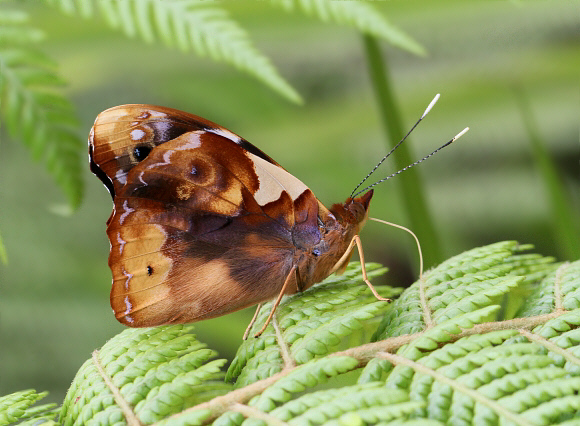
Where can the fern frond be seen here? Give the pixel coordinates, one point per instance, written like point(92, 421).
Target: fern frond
point(187, 25)
point(466, 282)
point(358, 15)
point(312, 324)
point(145, 374)
point(19, 407)
point(299, 380)
point(32, 107)
point(307, 376)
point(463, 367)
point(562, 281)
point(323, 406)
point(512, 374)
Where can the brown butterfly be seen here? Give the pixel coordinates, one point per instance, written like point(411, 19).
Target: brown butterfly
point(204, 223)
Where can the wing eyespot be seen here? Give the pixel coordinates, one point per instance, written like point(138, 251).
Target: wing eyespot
point(141, 152)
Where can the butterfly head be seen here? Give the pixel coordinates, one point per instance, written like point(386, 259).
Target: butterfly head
point(359, 206)
point(354, 211)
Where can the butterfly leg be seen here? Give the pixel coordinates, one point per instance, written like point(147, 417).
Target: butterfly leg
point(277, 302)
point(247, 332)
point(361, 255)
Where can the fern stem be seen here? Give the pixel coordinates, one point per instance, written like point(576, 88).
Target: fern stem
point(564, 219)
point(219, 405)
point(496, 407)
point(130, 416)
point(284, 351)
point(558, 303)
point(427, 319)
point(412, 188)
point(551, 346)
point(250, 412)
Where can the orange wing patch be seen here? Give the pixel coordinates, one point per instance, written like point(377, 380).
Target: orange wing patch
point(139, 268)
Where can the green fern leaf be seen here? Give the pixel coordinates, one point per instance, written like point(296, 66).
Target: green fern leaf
point(376, 414)
point(499, 365)
point(312, 324)
point(188, 25)
point(463, 368)
point(359, 15)
point(323, 406)
point(19, 407)
point(561, 281)
point(33, 109)
point(469, 281)
point(300, 379)
point(143, 374)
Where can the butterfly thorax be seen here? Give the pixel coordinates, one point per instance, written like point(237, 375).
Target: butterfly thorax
point(329, 248)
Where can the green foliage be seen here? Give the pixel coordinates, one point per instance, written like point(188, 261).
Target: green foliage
point(32, 107)
point(208, 30)
point(19, 407)
point(359, 15)
point(157, 371)
point(314, 324)
point(464, 283)
point(187, 25)
point(455, 361)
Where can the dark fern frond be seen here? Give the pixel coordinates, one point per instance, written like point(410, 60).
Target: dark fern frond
point(32, 107)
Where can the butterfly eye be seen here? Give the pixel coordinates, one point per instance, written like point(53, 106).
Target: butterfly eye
point(316, 252)
point(141, 152)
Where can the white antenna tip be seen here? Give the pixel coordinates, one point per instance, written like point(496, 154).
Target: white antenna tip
point(464, 131)
point(433, 102)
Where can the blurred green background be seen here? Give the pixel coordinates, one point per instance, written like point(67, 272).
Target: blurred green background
point(482, 56)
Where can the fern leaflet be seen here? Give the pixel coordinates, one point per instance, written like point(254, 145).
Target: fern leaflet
point(19, 407)
point(158, 371)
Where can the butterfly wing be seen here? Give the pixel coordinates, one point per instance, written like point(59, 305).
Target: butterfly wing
point(202, 221)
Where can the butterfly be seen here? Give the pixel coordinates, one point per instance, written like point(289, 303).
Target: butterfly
point(204, 223)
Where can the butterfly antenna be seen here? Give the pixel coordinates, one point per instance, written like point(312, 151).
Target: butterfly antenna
point(457, 136)
point(431, 104)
